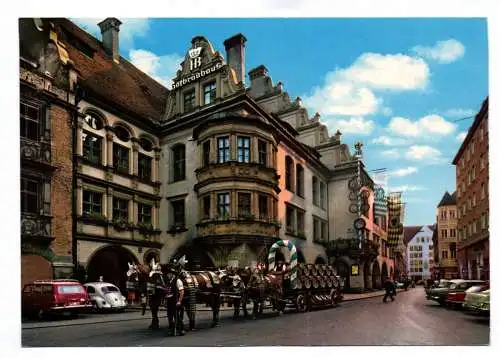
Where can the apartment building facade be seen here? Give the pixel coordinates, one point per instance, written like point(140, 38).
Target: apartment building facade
point(447, 237)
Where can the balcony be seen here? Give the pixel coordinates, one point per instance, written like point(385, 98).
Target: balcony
point(36, 226)
point(238, 230)
point(236, 171)
point(37, 152)
point(351, 247)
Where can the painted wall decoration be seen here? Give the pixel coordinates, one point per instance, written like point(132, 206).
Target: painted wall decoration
point(395, 226)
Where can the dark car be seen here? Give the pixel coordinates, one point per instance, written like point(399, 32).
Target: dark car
point(42, 298)
point(439, 294)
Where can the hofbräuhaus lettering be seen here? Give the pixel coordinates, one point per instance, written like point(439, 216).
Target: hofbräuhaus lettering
point(197, 75)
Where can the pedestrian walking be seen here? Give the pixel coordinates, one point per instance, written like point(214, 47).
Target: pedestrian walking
point(390, 290)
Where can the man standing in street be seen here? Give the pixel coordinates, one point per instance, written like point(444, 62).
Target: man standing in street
point(390, 289)
point(174, 295)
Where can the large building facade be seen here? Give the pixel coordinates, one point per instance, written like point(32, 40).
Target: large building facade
point(420, 251)
point(446, 237)
point(472, 180)
point(212, 168)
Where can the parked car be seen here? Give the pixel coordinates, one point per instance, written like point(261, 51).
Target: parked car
point(478, 302)
point(456, 299)
point(440, 293)
point(105, 296)
point(44, 297)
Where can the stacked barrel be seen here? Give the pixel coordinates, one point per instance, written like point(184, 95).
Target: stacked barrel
point(316, 276)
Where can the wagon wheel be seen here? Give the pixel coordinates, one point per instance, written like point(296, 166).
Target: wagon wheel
point(333, 297)
point(353, 208)
point(353, 183)
point(300, 303)
point(353, 196)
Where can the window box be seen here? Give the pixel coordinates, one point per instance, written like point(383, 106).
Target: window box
point(246, 216)
point(94, 218)
point(146, 229)
point(223, 217)
point(122, 224)
point(176, 229)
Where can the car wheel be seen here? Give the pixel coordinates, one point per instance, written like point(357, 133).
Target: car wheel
point(441, 302)
point(40, 314)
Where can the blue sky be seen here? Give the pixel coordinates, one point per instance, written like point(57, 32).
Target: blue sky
point(397, 85)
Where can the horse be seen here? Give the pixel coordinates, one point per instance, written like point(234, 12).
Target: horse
point(233, 286)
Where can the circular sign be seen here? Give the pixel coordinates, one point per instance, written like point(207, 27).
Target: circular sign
point(359, 224)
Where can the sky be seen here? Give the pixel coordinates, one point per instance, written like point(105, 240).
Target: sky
point(400, 86)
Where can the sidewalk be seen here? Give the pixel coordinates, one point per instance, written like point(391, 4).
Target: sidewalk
point(133, 313)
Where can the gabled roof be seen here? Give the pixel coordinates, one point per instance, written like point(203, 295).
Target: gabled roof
point(410, 232)
point(448, 199)
point(122, 84)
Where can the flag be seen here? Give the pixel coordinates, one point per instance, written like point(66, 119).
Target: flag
point(395, 226)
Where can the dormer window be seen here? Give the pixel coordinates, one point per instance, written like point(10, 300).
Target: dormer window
point(209, 92)
point(189, 101)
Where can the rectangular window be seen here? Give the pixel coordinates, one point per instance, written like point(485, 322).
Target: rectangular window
point(189, 101)
point(30, 196)
point(178, 210)
point(444, 233)
point(206, 206)
point(209, 93)
point(92, 202)
point(223, 205)
point(144, 213)
point(290, 223)
point(179, 153)
point(474, 200)
point(300, 180)
point(322, 194)
point(244, 204)
point(315, 190)
point(472, 147)
point(453, 250)
point(444, 254)
point(244, 149)
point(92, 145)
point(144, 166)
point(324, 230)
point(482, 162)
point(288, 173)
point(120, 209)
point(462, 164)
point(121, 158)
point(222, 149)
point(262, 152)
point(316, 229)
point(481, 134)
point(300, 221)
point(263, 210)
point(206, 153)
point(30, 121)
point(453, 233)
point(483, 221)
point(473, 173)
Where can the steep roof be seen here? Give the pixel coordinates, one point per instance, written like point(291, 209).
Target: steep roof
point(122, 84)
point(448, 199)
point(410, 232)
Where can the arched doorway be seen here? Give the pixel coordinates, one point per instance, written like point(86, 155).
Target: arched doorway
point(319, 261)
point(110, 262)
point(343, 270)
point(376, 275)
point(367, 275)
point(385, 274)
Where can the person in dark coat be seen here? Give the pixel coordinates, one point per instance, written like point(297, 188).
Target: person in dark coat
point(390, 290)
point(174, 292)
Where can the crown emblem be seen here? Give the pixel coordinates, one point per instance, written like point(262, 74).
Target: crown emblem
point(195, 52)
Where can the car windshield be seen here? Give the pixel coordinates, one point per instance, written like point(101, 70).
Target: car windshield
point(108, 289)
point(70, 289)
point(445, 284)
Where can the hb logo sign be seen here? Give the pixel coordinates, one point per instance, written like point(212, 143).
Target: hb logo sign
point(195, 60)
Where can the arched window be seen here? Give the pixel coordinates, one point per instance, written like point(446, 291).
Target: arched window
point(122, 133)
point(94, 120)
point(315, 190)
point(179, 162)
point(300, 180)
point(289, 173)
point(146, 144)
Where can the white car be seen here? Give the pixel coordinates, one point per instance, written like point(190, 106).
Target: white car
point(105, 296)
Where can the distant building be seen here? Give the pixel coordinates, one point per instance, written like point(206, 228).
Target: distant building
point(420, 251)
point(472, 178)
point(447, 236)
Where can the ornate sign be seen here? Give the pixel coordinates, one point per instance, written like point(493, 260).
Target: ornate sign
point(395, 227)
point(354, 270)
point(42, 83)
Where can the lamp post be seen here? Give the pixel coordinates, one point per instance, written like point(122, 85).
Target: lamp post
point(358, 154)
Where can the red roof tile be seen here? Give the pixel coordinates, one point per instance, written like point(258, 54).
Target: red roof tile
point(410, 232)
point(122, 83)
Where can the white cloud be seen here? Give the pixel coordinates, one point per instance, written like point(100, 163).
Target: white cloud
point(459, 112)
point(350, 91)
point(406, 188)
point(403, 126)
point(161, 68)
point(386, 111)
point(392, 153)
point(403, 172)
point(129, 29)
point(443, 51)
point(423, 152)
point(431, 125)
point(461, 136)
point(356, 125)
point(393, 71)
point(389, 141)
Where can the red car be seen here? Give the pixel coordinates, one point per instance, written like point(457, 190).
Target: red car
point(42, 298)
point(456, 299)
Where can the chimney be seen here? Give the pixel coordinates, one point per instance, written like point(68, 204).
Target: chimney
point(109, 31)
point(235, 50)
